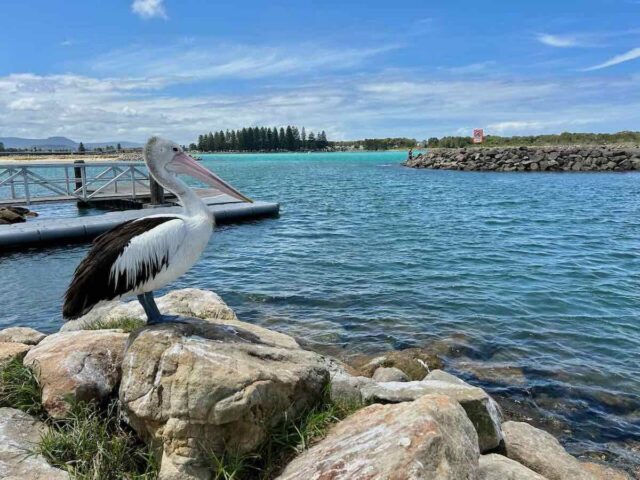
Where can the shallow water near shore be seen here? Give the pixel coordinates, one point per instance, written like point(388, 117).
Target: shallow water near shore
point(538, 272)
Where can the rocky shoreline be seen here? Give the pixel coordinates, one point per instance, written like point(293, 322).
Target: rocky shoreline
point(531, 159)
point(206, 392)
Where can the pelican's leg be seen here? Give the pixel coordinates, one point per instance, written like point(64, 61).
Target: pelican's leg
point(153, 313)
point(150, 308)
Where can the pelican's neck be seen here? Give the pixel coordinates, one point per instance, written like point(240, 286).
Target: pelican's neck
point(191, 202)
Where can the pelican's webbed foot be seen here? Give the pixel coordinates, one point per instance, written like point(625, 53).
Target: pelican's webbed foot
point(154, 317)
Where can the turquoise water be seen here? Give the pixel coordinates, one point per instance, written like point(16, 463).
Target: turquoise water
point(540, 272)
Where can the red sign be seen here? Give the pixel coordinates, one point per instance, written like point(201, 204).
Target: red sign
point(478, 135)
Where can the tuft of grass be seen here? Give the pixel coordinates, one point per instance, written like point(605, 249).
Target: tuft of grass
point(95, 444)
point(289, 439)
point(19, 388)
point(231, 466)
point(128, 324)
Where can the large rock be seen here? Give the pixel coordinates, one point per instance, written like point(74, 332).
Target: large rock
point(8, 216)
point(414, 362)
point(345, 387)
point(190, 302)
point(25, 335)
point(541, 452)
point(498, 467)
point(10, 351)
point(482, 410)
point(389, 374)
point(430, 438)
point(81, 366)
point(602, 472)
point(19, 434)
point(214, 385)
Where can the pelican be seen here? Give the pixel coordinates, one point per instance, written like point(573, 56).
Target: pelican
point(143, 255)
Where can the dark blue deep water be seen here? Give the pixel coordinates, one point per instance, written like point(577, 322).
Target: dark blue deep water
point(539, 273)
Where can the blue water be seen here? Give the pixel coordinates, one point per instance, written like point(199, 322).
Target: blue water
point(538, 271)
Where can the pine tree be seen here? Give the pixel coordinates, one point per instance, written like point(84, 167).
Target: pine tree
point(312, 141)
point(303, 138)
point(81, 148)
point(289, 141)
point(296, 138)
point(322, 141)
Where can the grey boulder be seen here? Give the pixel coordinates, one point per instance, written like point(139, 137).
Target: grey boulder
point(19, 435)
point(190, 302)
point(389, 374)
point(542, 453)
point(481, 409)
point(25, 335)
point(498, 467)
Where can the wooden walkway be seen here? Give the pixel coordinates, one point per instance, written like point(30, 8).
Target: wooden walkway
point(124, 186)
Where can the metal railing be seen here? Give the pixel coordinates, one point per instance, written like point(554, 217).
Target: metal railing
point(35, 182)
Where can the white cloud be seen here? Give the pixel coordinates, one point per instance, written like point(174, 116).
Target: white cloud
point(559, 41)
point(25, 103)
point(194, 62)
point(66, 43)
point(477, 67)
point(149, 8)
point(618, 59)
point(513, 127)
point(133, 108)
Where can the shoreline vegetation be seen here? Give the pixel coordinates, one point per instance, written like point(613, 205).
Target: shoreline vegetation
point(216, 398)
point(292, 139)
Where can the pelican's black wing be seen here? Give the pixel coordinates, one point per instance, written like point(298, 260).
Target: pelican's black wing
point(95, 279)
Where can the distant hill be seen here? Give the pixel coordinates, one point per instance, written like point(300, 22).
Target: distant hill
point(123, 144)
point(59, 143)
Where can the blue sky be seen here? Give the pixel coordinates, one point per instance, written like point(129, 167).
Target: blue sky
point(127, 69)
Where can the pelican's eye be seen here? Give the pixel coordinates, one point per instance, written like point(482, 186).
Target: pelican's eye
point(175, 149)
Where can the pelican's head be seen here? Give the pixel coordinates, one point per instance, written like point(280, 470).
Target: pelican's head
point(166, 160)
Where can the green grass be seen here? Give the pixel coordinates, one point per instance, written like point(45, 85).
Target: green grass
point(283, 443)
point(128, 324)
point(95, 444)
point(19, 388)
point(91, 443)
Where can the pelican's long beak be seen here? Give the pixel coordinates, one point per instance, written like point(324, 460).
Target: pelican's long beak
point(183, 163)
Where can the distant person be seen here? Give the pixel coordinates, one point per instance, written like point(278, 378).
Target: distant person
point(411, 154)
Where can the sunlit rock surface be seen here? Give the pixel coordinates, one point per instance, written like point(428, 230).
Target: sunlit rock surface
point(81, 366)
point(430, 438)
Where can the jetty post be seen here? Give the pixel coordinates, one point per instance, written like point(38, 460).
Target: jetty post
point(157, 192)
point(78, 174)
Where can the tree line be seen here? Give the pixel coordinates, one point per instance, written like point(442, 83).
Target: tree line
point(565, 138)
point(379, 143)
point(261, 139)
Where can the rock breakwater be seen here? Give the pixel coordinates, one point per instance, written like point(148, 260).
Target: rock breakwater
point(531, 159)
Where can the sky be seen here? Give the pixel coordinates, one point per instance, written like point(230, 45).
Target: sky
point(128, 69)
